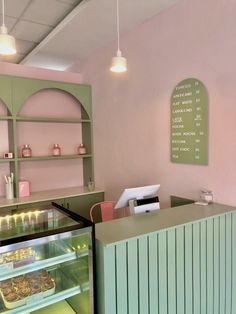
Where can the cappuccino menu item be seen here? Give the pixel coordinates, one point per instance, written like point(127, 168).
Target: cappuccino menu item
point(189, 123)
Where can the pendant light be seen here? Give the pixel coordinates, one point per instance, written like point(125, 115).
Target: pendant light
point(119, 63)
point(7, 42)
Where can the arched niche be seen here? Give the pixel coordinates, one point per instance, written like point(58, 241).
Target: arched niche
point(52, 102)
point(23, 88)
point(58, 104)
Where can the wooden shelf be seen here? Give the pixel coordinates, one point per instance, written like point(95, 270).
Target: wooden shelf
point(2, 160)
point(51, 119)
point(36, 158)
point(6, 118)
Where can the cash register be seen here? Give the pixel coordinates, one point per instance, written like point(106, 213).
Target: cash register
point(140, 199)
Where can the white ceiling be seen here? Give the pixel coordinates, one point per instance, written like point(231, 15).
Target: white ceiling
point(57, 33)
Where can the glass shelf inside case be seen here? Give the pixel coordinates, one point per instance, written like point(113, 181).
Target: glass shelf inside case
point(46, 259)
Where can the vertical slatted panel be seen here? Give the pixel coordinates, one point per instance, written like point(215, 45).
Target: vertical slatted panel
point(110, 280)
point(133, 283)
point(188, 269)
point(209, 266)
point(121, 279)
point(203, 282)
point(143, 275)
point(216, 265)
point(228, 274)
point(222, 265)
point(163, 298)
point(153, 274)
point(196, 269)
point(233, 263)
point(188, 262)
point(171, 271)
point(180, 270)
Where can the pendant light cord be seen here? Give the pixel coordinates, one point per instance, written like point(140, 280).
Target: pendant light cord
point(3, 13)
point(118, 24)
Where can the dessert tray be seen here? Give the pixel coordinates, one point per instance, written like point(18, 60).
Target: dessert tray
point(17, 258)
point(27, 288)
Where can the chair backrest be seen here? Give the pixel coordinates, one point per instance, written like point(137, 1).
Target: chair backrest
point(106, 209)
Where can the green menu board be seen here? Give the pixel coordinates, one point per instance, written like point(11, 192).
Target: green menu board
point(189, 123)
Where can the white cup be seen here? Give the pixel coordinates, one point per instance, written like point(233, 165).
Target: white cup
point(9, 191)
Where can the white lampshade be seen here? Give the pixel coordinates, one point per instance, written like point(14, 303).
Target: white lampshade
point(118, 63)
point(7, 42)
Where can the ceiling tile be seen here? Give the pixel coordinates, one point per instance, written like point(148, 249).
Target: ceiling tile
point(10, 22)
point(15, 8)
point(53, 14)
point(24, 46)
point(30, 31)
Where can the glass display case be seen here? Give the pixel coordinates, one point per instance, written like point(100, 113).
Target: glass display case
point(46, 261)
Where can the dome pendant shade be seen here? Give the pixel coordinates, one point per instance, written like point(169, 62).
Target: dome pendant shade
point(7, 44)
point(118, 63)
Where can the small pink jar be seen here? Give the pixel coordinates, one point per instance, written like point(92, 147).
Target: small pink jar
point(26, 151)
point(56, 151)
point(82, 149)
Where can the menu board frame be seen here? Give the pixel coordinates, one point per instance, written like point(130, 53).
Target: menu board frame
point(189, 123)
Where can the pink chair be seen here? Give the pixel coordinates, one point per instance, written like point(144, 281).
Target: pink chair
point(106, 209)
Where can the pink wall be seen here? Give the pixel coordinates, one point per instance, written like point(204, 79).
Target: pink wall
point(132, 111)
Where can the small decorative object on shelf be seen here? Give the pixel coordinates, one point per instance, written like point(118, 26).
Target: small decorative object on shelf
point(56, 151)
point(82, 149)
point(24, 188)
point(91, 185)
point(8, 155)
point(207, 196)
point(26, 151)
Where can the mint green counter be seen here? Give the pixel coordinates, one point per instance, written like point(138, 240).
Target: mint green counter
point(174, 261)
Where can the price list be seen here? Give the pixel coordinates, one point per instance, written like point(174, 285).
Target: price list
point(189, 123)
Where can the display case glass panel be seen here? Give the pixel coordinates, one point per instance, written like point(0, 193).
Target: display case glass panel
point(46, 261)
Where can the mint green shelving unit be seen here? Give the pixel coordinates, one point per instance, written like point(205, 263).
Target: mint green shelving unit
point(14, 91)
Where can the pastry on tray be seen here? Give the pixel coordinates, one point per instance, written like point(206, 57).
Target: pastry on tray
point(17, 290)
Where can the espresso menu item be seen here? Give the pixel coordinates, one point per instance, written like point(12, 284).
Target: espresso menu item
point(189, 123)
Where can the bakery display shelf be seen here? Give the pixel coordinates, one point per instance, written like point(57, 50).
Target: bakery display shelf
point(52, 119)
point(62, 254)
point(38, 303)
point(59, 307)
point(39, 158)
point(37, 265)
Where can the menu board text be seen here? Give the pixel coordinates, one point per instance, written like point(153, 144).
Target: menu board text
point(189, 123)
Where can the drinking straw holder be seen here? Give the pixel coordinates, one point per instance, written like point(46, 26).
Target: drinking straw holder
point(9, 187)
point(9, 190)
